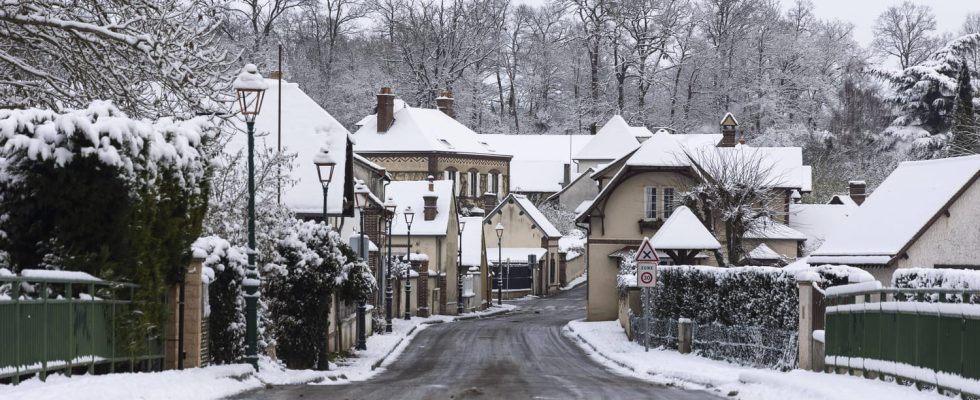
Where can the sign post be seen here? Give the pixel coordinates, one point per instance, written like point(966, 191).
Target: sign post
point(646, 278)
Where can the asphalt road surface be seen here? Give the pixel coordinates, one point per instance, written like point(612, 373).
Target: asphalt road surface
point(521, 355)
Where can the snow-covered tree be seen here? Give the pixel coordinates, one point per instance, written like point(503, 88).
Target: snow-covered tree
point(905, 32)
point(151, 58)
point(965, 131)
point(224, 270)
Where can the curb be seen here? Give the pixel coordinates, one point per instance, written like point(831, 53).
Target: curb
point(596, 351)
point(485, 315)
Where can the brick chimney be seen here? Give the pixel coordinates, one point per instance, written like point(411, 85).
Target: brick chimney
point(566, 176)
point(429, 211)
point(489, 201)
point(728, 125)
point(386, 109)
point(445, 103)
point(858, 191)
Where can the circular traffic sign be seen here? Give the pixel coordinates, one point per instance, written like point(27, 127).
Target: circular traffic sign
point(646, 277)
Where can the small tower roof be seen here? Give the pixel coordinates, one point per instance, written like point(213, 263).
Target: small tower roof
point(729, 120)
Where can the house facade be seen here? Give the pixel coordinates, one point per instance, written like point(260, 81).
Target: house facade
point(526, 232)
point(924, 215)
point(414, 143)
point(641, 190)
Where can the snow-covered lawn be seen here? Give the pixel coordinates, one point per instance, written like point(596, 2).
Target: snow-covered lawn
point(221, 381)
point(606, 343)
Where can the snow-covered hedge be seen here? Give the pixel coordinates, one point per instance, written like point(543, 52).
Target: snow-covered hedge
point(310, 263)
point(224, 271)
point(933, 278)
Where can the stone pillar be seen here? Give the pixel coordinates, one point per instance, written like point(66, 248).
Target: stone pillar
point(684, 335)
point(422, 293)
point(193, 319)
point(806, 324)
point(441, 283)
point(562, 269)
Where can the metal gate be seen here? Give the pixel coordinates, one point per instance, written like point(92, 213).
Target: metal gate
point(516, 276)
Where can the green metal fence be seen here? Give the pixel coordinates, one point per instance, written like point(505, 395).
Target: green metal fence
point(930, 337)
point(69, 326)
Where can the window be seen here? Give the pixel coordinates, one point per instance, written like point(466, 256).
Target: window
point(451, 175)
point(474, 183)
point(668, 202)
point(650, 201)
point(495, 183)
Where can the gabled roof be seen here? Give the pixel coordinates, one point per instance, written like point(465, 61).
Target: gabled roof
point(769, 229)
point(900, 210)
point(540, 221)
point(420, 130)
point(612, 141)
point(306, 127)
point(409, 194)
point(683, 231)
point(762, 252)
point(539, 160)
point(728, 119)
point(842, 199)
point(818, 221)
point(575, 180)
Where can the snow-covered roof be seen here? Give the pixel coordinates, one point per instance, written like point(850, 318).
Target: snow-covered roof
point(532, 211)
point(900, 208)
point(683, 231)
point(762, 252)
point(582, 207)
point(420, 130)
point(472, 244)
point(612, 141)
point(514, 254)
point(665, 149)
point(818, 221)
point(806, 180)
point(539, 160)
point(640, 132)
point(728, 119)
point(574, 180)
point(842, 199)
point(770, 229)
point(306, 127)
point(409, 194)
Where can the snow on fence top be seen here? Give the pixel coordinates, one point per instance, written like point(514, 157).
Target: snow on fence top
point(43, 274)
point(932, 278)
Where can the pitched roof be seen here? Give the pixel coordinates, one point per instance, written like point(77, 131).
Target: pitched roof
point(612, 141)
point(532, 212)
point(762, 252)
point(539, 160)
point(575, 180)
point(306, 127)
point(901, 208)
point(683, 231)
point(818, 221)
point(420, 130)
point(409, 194)
point(770, 229)
point(728, 119)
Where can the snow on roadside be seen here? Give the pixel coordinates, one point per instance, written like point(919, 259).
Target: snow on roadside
point(217, 382)
point(607, 344)
point(575, 282)
point(190, 384)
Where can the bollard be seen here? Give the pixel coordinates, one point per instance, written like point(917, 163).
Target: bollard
point(684, 335)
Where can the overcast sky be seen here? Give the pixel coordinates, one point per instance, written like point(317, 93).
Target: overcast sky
point(862, 13)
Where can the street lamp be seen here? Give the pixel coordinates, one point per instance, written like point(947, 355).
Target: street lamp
point(325, 164)
point(409, 217)
point(361, 193)
point(250, 91)
point(459, 267)
point(500, 264)
point(390, 207)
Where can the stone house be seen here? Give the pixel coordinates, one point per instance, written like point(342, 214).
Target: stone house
point(923, 215)
point(415, 143)
point(640, 190)
point(435, 242)
point(526, 232)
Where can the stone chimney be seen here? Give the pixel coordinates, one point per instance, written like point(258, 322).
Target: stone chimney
point(386, 109)
point(445, 103)
point(728, 125)
point(489, 201)
point(858, 191)
point(429, 211)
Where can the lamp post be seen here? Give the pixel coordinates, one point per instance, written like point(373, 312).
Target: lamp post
point(361, 199)
point(390, 207)
point(500, 264)
point(459, 267)
point(325, 164)
point(409, 217)
point(250, 91)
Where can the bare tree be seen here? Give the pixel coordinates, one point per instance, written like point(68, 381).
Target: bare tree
point(906, 33)
point(736, 193)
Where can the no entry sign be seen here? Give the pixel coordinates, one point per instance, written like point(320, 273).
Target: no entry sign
point(646, 274)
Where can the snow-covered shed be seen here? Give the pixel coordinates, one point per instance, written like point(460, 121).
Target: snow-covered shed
point(300, 126)
point(923, 215)
point(526, 232)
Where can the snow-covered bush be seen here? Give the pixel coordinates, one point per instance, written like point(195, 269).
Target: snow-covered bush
point(573, 244)
point(561, 218)
point(224, 270)
point(933, 278)
point(309, 264)
point(96, 191)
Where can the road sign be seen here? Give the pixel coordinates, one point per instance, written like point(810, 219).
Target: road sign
point(646, 274)
point(646, 253)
